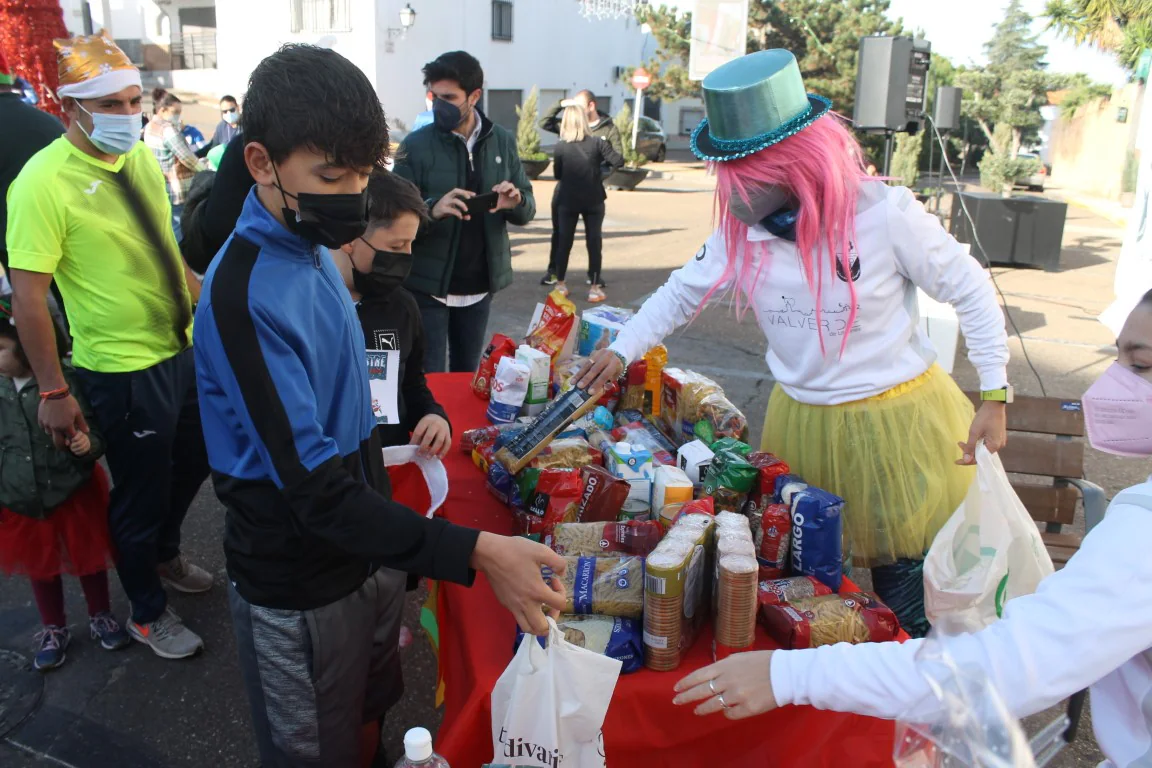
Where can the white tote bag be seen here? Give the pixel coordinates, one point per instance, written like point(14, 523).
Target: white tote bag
point(989, 552)
point(548, 707)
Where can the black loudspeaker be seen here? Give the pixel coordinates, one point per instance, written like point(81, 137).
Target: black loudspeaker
point(882, 74)
point(918, 65)
point(947, 117)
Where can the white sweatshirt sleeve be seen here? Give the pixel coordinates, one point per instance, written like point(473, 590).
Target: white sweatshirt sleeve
point(944, 269)
point(675, 302)
point(1081, 624)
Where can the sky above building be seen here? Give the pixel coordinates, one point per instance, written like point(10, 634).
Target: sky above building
point(959, 31)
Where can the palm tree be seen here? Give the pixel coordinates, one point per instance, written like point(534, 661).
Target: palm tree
point(1123, 27)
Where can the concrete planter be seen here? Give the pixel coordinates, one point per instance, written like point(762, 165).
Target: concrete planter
point(626, 179)
point(533, 168)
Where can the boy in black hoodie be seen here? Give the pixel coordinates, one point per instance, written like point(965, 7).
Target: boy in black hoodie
point(374, 267)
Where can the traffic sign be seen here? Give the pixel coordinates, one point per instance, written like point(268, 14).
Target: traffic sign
point(641, 79)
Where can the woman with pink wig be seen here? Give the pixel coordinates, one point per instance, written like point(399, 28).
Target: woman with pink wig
point(829, 260)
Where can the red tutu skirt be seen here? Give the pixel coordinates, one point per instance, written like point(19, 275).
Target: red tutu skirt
point(74, 539)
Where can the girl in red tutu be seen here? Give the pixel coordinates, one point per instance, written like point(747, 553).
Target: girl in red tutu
point(53, 505)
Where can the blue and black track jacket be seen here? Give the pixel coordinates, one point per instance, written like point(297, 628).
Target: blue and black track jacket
point(291, 438)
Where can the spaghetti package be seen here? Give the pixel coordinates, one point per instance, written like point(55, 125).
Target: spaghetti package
point(567, 452)
point(717, 417)
point(682, 398)
point(557, 321)
point(853, 617)
point(791, 589)
point(605, 586)
point(816, 536)
point(602, 495)
point(500, 347)
point(633, 537)
point(612, 636)
point(775, 539)
point(632, 398)
point(677, 591)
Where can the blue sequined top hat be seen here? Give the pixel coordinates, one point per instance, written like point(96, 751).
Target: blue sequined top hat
point(754, 102)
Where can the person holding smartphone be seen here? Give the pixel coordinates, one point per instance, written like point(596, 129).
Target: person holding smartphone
point(470, 176)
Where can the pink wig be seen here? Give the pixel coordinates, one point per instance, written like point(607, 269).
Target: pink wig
point(821, 168)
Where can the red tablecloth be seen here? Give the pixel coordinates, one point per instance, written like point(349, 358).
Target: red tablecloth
point(643, 727)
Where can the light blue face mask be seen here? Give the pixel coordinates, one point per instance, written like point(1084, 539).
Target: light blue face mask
point(113, 134)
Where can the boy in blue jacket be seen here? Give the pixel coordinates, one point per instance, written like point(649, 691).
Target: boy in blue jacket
point(314, 546)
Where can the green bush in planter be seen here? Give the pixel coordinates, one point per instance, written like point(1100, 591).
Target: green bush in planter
point(623, 121)
point(527, 130)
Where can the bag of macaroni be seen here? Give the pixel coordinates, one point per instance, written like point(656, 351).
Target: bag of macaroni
point(852, 617)
point(548, 707)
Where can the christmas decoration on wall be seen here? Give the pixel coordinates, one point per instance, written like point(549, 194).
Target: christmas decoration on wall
point(27, 29)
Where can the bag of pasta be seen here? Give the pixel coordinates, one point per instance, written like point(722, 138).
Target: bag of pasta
point(791, 589)
point(568, 453)
point(611, 636)
point(852, 617)
point(718, 417)
point(605, 586)
point(631, 537)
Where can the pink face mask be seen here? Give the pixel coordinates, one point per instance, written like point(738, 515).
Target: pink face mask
point(1118, 413)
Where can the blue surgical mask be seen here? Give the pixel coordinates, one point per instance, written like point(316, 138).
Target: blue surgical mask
point(113, 134)
point(231, 118)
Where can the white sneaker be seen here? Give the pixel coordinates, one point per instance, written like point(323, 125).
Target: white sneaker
point(167, 636)
point(184, 576)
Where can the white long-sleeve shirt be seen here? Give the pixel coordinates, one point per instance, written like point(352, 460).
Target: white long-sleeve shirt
point(1089, 624)
point(899, 247)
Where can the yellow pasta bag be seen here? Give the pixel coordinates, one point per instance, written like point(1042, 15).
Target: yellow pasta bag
point(851, 617)
point(605, 586)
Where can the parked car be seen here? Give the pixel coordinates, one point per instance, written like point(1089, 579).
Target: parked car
point(1033, 181)
point(651, 141)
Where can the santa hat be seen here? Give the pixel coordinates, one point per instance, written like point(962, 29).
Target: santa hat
point(5, 71)
point(92, 66)
point(419, 482)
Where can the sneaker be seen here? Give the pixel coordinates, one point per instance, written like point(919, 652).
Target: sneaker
point(596, 294)
point(561, 287)
point(51, 643)
point(185, 577)
point(548, 279)
point(588, 281)
point(167, 636)
point(104, 627)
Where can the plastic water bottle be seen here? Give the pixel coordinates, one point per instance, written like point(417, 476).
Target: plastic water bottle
point(418, 751)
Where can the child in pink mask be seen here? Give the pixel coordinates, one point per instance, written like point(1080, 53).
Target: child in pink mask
point(1089, 624)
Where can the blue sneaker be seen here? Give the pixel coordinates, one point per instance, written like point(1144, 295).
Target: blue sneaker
point(52, 642)
point(104, 627)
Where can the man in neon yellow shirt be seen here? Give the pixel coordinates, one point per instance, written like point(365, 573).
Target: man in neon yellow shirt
point(91, 211)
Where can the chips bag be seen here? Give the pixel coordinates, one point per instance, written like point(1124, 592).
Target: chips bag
point(554, 500)
point(501, 346)
point(816, 536)
point(853, 617)
point(555, 325)
point(728, 480)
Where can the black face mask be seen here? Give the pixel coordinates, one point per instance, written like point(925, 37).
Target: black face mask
point(446, 116)
point(389, 270)
point(327, 220)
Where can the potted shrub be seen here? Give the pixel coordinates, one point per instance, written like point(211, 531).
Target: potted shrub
point(528, 137)
point(630, 176)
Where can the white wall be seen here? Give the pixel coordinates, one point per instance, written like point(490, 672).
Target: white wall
point(249, 30)
point(143, 20)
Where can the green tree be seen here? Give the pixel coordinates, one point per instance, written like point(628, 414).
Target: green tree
point(823, 34)
point(906, 158)
point(1123, 27)
point(623, 122)
point(1004, 97)
point(527, 129)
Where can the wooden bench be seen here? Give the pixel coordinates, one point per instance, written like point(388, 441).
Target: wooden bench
point(1043, 444)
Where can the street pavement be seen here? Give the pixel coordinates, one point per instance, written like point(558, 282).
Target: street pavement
point(133, 710)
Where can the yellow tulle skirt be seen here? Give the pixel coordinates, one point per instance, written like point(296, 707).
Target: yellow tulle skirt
point(890, 457)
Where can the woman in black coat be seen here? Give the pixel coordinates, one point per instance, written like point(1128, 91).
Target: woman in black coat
point(577, 164)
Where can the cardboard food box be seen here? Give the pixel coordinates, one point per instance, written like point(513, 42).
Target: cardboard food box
point(694, 458)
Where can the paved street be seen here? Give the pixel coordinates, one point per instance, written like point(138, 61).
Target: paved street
point(133, 710)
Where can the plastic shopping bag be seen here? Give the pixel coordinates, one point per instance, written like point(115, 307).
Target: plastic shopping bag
point(418, 482)
point(548, 707)
point(987, 553)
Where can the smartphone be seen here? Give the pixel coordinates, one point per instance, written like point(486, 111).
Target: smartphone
point(481, 203)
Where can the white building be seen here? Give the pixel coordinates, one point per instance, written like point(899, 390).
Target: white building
point(211, 47)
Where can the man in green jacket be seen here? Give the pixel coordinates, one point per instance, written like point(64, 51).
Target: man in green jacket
point(463, 256)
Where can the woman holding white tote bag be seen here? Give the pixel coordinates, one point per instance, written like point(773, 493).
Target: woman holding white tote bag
point(1087, 625)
